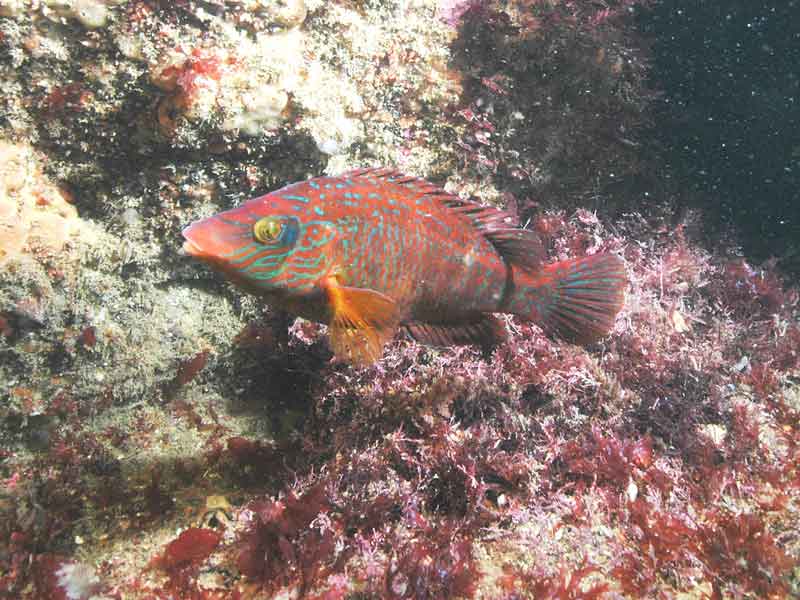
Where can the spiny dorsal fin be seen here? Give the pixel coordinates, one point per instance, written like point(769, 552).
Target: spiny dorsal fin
point(517, 246)
point(422, 186)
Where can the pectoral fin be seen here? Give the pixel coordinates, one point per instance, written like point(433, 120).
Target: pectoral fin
point(362, 322)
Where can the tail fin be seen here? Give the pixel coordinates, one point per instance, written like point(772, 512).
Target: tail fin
point(577, 300)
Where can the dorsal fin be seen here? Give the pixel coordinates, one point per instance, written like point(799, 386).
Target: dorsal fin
point(422, 186)
point(517, 246)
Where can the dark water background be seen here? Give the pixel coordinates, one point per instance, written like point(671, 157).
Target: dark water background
point(729, 120)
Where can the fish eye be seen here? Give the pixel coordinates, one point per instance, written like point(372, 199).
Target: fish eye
point(267, 229)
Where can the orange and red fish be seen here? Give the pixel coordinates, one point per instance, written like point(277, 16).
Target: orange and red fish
point(372, 251)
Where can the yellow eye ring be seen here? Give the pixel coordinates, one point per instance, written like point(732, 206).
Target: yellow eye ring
point(267, 229)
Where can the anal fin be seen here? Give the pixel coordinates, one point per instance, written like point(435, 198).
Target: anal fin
point(484, 330)
point(362, 322)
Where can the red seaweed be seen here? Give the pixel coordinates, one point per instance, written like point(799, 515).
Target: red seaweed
point(191, 547)
point(189, 369)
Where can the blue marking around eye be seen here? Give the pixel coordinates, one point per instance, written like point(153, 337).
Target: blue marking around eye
point(313, 184)
point(289, 232)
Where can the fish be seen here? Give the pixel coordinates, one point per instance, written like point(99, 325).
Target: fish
point(373, 252)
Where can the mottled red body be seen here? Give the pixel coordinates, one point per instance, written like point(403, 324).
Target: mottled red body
point(373, 250)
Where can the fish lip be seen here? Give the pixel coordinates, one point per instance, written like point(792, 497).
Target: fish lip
point(190, 247)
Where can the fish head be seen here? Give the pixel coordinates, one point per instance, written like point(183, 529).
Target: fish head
point(252, 244)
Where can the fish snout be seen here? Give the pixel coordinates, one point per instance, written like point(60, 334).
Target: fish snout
point(215, 239)
point(189, 247)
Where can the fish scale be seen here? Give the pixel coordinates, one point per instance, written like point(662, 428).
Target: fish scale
point(374, 251)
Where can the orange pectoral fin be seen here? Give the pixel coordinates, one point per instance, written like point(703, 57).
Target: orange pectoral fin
point(363, 321)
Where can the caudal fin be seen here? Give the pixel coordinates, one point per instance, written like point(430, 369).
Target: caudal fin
point(577, 300)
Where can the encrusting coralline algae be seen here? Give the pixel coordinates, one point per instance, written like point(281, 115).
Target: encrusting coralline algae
point(162, 435)
point(37, 218)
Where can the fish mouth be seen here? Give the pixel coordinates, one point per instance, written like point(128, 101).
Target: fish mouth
point(191, 249)
point(190, 246)
point(214, 239)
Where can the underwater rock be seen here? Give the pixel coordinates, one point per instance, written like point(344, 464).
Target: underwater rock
point(11, 8)
point(216, 89)
point(262, 110)
point(288, 13)
point(92, 14)
point(37, 217)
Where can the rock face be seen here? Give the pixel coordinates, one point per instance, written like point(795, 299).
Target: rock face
point(37, 218)
point(162, 435)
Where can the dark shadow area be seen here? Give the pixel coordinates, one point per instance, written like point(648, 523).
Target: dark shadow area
point(729, 118)
point(554, 102)
point(276, 382)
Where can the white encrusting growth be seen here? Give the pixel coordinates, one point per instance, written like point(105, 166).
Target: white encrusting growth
point(78, 580)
